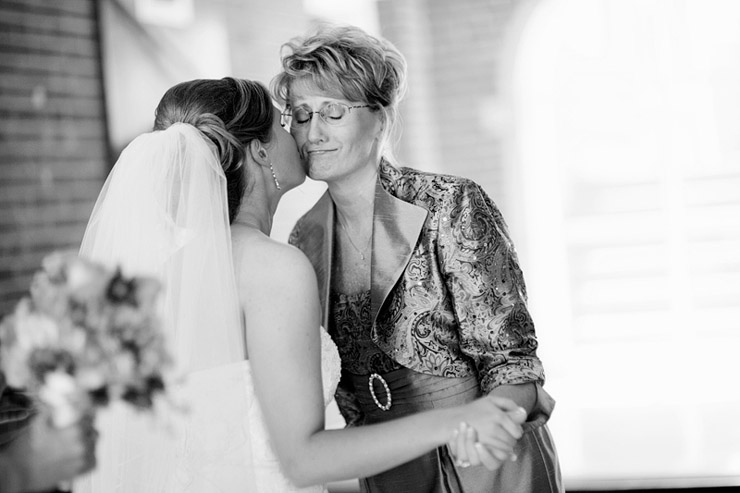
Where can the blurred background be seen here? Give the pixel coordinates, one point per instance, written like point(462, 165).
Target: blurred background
point(607, 131)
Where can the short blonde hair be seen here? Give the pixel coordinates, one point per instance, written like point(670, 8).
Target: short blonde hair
point(350, 62)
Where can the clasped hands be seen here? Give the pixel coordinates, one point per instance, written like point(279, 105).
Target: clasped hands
point(490, 429)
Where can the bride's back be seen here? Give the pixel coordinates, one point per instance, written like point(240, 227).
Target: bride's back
point(270, 276)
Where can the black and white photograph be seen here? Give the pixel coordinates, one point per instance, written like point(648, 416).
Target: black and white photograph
point(369, 246)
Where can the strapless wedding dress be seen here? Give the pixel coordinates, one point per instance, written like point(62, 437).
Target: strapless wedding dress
point(268, 476)
point(220, 444)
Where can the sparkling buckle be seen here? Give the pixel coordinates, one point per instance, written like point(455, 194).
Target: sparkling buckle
point(387, 404)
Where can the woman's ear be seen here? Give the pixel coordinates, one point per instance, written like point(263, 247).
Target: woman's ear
point(258, 153)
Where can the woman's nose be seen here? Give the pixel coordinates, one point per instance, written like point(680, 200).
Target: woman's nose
point(315, 131)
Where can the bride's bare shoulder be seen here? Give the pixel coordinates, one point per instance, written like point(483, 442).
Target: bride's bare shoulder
point(259, 259)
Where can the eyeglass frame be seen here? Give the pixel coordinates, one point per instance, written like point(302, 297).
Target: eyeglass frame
point(287, 114)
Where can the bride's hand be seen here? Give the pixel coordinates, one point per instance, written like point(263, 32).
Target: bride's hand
point(489, 433)
point(467, 451)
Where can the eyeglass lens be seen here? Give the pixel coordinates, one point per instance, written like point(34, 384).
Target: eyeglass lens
point(332, 113)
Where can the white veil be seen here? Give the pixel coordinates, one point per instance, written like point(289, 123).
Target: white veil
point(163, 212)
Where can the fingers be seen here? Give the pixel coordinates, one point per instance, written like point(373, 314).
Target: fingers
point(500, 448)
point(463, 460)
point(503, 403)
point(470, 452)
point(513, 415)
point(487, 458)
point(519, 416)
point(452, 444)
point(471, 438)
point(512, 428)
point(497, 425)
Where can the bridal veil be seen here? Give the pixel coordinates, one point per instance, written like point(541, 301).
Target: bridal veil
point(163, 212)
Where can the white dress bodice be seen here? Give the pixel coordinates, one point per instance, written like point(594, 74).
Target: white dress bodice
point(220, 445)
point(268, 477)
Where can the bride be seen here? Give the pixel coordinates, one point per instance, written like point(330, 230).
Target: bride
point(192, 203)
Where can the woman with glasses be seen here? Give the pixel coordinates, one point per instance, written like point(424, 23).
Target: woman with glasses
point(418, 278)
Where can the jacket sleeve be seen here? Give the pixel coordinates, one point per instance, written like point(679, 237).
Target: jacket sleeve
point(483, 277)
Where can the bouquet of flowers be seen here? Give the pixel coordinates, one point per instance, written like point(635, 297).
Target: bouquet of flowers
point(85, 335)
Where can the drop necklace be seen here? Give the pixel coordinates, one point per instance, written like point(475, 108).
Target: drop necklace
point(361, 253)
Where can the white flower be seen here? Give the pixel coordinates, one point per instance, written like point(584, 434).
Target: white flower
point(34, 330)
point(21, 333)
point(125, 366)
point(14, 365)
point(87, 282)
point(60, 393)
point(91, 378)
point(81, 274)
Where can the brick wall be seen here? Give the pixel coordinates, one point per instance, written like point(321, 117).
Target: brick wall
point(53, 154)
point(257, 29)
point(56, 126)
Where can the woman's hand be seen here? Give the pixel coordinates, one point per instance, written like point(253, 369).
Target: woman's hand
point(45, 455)
point(489, 433)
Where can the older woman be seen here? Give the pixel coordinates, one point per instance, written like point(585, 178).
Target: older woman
point(419, 281)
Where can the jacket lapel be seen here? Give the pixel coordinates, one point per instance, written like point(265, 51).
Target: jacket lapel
point(396, 228)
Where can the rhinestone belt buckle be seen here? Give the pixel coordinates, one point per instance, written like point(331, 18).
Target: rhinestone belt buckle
point(387, 405)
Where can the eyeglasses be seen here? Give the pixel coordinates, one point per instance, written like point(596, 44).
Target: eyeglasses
point(331, 114)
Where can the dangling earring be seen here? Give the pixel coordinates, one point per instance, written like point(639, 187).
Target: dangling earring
point(277, 183)
point(263, 155)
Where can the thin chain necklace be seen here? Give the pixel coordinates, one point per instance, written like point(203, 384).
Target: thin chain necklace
point(349, 237)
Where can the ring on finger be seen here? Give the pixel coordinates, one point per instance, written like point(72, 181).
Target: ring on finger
point(463, 463)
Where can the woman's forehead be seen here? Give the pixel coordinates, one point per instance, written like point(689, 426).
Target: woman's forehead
point(306, 87)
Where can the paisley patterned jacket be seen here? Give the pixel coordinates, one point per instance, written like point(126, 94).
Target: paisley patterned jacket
point(448, 297)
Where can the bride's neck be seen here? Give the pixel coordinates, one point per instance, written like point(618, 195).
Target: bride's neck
point(257, 214)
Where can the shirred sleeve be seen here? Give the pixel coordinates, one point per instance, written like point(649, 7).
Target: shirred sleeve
point(486, 284)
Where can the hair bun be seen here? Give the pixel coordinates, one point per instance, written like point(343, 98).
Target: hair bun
point(230, 151)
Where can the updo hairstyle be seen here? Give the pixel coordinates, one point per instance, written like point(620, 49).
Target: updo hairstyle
point(230, 113)
point(346, 61)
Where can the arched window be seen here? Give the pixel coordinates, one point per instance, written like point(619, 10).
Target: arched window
point(627, 150)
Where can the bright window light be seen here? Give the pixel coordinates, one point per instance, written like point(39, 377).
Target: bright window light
point(628, 150)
